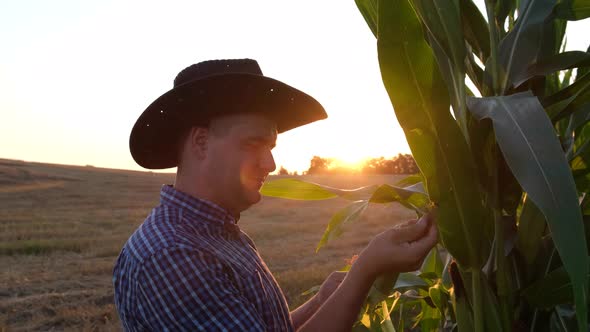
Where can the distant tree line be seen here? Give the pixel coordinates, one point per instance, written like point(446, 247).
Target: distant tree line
point(284, 171)
point(400, 164)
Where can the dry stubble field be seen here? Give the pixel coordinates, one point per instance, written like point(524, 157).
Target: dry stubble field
point(61, 228)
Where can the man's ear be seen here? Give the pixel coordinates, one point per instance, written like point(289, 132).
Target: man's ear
point(198, 139)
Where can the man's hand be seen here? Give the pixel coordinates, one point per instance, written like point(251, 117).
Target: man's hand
point(399, 249)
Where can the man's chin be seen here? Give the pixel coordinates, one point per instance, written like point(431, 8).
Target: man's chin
point(251, 192)
point(254, 197)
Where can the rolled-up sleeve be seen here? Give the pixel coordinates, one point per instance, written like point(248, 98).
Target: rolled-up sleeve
point(182, 289)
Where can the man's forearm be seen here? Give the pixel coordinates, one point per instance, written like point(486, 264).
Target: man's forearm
point(304, 312)
point(341, 309)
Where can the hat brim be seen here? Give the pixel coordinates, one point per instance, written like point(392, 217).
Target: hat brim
point(155, 136)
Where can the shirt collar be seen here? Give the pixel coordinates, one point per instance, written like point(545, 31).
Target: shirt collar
point(199, 208)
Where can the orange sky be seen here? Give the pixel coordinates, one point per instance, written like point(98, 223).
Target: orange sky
point(75, 75)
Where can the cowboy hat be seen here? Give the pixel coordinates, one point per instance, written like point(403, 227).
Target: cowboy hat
point(209, 89)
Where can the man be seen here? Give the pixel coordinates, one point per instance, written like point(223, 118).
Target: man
point(188, 266)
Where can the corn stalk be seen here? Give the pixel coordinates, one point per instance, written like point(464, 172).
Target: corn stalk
point(510, 149)
point(508, 172)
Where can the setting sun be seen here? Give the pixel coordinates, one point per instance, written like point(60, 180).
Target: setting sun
point(352, 164)
point(348, 136)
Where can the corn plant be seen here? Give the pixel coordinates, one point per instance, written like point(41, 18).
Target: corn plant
point(504, 160)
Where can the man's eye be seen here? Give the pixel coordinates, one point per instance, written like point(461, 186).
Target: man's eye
point(252, 145)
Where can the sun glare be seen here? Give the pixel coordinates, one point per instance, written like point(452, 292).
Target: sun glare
point(352, 163)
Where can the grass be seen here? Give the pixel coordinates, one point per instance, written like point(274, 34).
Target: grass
point(38, 247)
point(62, 227)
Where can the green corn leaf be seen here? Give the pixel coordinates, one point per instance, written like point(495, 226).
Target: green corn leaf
point(408, 280)
point(386, 193)
point(561, 61)
point(442, 20)
point(554, 289)
point(410, 180)
point(382, 288)
point(302, 190)
point(433, 263)
point(585, 206)
point(584, 70)
point(446, 274)
point(412, 197)
point(360, 328)
point(475, 73)
point(518, 49)
point(429, 318)
point(464, 314)
point(387, 284)
point(582, 135)
point(429, 276)
point(362, 193)
point(490, 307)
point(504, 8)
point(368, 9)
point(375, 324)
point(573, 10)
point(386, 323)
point(576, 143)
point(566, 101)
point(349, 214)
point(295, 189)
point(580, 165)
point(462, 307)
point(578, 118)
point(421, 104)
point(439, 297)
point(394, 303)
point(475, 29)
point(490, 317)
point(530, 231)
point(557, 323)
point(567, 77)
point(449, 75)
point(531, 149)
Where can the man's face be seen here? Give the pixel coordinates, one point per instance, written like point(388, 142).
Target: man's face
point(239, 158)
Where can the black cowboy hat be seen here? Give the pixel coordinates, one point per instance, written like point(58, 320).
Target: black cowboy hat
point(209, 89)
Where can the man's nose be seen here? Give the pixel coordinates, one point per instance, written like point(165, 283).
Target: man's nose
point(267, 162)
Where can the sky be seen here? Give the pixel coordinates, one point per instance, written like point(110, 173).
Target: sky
point(76, 75)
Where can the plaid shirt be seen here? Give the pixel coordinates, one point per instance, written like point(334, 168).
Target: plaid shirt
point(189, 267)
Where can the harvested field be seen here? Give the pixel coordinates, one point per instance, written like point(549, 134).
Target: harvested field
point(61, 229)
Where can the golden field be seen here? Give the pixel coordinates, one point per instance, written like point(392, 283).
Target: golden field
point(61, 229)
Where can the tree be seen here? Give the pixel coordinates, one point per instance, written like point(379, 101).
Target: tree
point(318, 165)
point(401, 164)
point(283, 171)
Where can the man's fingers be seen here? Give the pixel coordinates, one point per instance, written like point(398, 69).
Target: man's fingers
point(425, 243)
point(411, 232)
point(406, 224)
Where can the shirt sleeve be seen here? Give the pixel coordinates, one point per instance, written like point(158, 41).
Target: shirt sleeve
point(187, 290)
